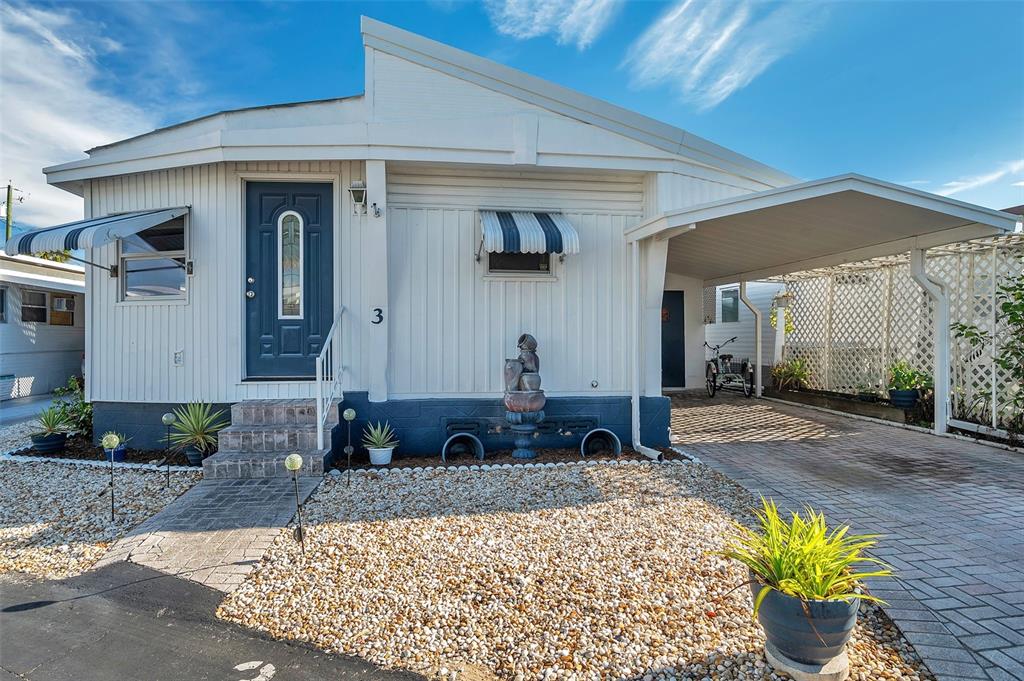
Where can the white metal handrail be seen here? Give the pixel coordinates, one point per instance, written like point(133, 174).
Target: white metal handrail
point(328, 378)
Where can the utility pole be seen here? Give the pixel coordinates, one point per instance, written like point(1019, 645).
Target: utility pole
point(9, 210)
point(9, 207)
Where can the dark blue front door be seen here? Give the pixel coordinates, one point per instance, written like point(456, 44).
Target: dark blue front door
point(289, 286)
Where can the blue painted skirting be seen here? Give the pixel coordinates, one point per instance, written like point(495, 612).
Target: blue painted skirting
point(140, 421)
point(422, 425)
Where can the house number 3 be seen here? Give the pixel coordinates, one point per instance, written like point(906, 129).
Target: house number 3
point(378, 315)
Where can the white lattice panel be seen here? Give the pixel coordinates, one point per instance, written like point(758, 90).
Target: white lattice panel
point(851, 324)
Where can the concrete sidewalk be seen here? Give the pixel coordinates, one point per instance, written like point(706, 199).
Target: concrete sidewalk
point(131, 623)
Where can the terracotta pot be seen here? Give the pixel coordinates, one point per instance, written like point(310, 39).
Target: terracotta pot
point(529, 381)
point(525, 400)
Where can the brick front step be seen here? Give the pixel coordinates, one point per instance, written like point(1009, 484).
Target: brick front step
point(279, 412)
point(273, 438)
point(261, 464)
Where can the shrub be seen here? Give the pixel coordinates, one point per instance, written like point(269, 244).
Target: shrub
point(197, 426)
point(803, 558)
point(793, 374)
point(71, 403)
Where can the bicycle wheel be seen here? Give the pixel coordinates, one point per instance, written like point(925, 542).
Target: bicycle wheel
point(748, 379)
point(710, 382)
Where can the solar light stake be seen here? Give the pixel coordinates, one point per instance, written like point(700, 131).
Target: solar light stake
point(168, 419)
point(293, 462)
point(349, 415)
point(111, 455)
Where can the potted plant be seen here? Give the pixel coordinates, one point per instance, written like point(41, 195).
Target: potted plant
point(114, 445)
point(53, 431)
point(806, 581)
point(905, 384)
point(380, 441)
point(195, 431)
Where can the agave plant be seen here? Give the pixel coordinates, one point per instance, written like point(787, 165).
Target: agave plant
point(377, 436)
point(197, 426)
point(803, 558)
point(52, 420)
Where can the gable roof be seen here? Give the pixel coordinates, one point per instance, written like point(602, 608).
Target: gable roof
point(349, 128)
point(498, 77)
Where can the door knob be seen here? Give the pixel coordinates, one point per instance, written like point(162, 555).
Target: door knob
point(250, 294)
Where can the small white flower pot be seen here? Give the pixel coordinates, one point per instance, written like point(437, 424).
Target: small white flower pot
point(380, 456)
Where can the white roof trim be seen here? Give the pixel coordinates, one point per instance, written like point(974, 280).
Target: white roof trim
point(970, 212)
point(491, 75)
point(30, 280)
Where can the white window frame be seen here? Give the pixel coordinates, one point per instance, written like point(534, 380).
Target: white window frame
point(184, 254)
point(554, 261)
point(45, 306)
point(280, 265)
point(50, 309)
point(721, 305)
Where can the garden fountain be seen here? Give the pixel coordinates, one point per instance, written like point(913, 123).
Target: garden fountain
point(524, 400)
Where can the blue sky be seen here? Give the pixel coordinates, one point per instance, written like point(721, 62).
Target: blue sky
point(930, 94)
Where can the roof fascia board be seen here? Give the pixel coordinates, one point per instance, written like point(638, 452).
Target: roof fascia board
point(493, 76)
point(924, 241)
point(817, 188)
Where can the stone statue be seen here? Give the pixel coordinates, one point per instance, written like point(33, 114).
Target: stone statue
point(524, 400)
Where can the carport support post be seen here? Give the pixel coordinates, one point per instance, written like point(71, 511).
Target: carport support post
point(757, 336)
point(936, 290)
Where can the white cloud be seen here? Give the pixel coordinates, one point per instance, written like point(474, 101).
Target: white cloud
point(577, 22)
point(1018, 184)
point(970, 183)
point(51, 108)
point(708, 50)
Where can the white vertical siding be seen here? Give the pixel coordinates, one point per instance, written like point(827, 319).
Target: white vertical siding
point(760, 294)
point(131, 345)
point(452, 325)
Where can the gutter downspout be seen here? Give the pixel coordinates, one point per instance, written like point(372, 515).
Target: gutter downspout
point(652, 454)
point(757, 336)
point(936, 290)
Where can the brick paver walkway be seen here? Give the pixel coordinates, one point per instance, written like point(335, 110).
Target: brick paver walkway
point(216, 532)
point(952, 513)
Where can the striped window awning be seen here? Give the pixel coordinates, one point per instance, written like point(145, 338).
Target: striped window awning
point(522, 232)
point(90, 233)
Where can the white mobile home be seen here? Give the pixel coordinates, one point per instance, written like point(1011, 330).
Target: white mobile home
point(42, 325)
point(394, 245)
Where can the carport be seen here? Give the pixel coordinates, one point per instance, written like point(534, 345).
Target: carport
point(822, 223)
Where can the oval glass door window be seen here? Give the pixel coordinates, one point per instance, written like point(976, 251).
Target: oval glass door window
point(289, 241)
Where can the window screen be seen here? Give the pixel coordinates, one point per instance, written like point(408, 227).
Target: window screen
point(519, 262)
point(730, 305)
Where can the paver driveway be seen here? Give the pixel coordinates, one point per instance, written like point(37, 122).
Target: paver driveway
point(952, 513)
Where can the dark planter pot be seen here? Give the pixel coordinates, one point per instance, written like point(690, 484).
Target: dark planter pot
point(800, 637)
point(116, 454)
point(904, 399)
point(49, 444)
point(194, 456)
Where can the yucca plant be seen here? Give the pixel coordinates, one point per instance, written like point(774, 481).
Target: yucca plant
point(378, 436)
point(52, 421)
point(197, 426)
point(803, 558)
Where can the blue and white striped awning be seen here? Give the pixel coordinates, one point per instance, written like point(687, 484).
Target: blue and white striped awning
point(521, 232)
point(89, 233)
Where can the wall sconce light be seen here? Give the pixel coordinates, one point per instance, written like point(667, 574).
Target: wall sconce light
point(376, 211)
point(357, 190)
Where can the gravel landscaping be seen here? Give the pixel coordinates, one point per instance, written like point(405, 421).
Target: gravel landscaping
point(55, 517)
point(592, 571)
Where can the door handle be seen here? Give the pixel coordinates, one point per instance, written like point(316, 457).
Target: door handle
point(250, 294)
